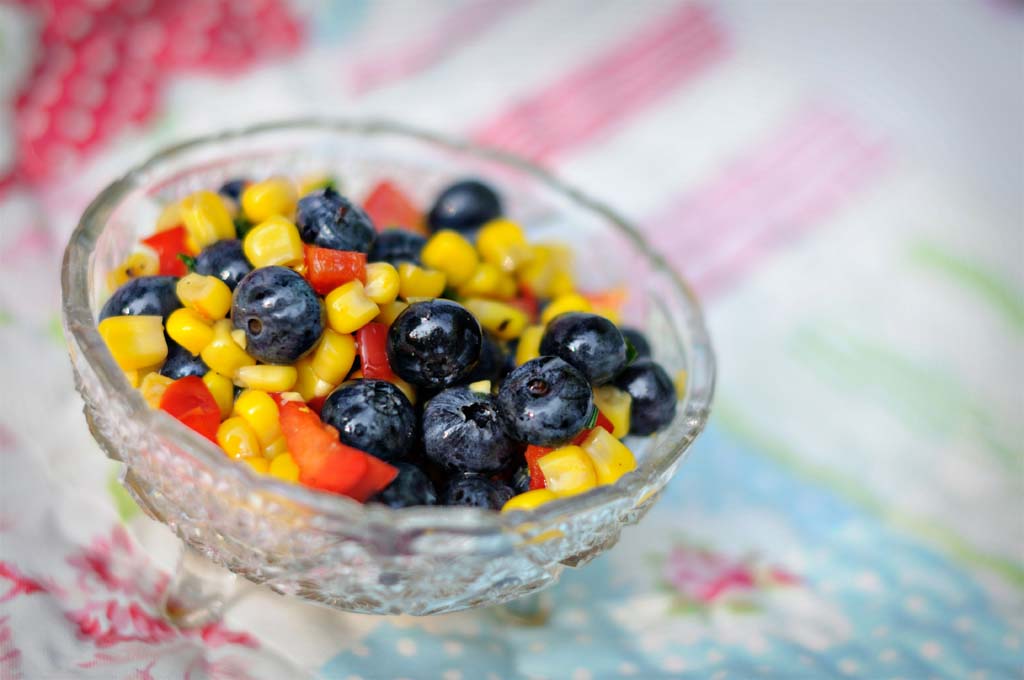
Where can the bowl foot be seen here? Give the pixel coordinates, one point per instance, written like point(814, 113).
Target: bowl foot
point(199, 591)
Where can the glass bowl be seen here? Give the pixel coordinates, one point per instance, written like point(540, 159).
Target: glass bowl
point(328, 548)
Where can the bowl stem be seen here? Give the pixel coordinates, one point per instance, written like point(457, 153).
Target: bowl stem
point(199, 591)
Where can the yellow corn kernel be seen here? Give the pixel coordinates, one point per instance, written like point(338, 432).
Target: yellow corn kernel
point(223, 354)
point(189, 329)
point(505, 321)
point(290, 396)
point(207, 295)
point(529, 500)
point(170, 216)
point(135, 341)
point(266, 377)
point(153, 387)
point(529, 344)
point(258, 409)
point(680, 383)
point(382, 282)
point(316, 180)
point(408, 390)
point(348, 308)
point(230, 204)
point(615, 404)
point(333, 357)
point(610, 457)
point(223, 391)
point(568, 470)
point(390, 312)
point(260, 465)
point(507, 287)
point(238, 335)
point(274, 196)
point(486, 281)
point(572, 302)
point(238, 438)
point(275, 241)
point(418, 282)
point(503, 243)
point(133, 377)
point(308, 384)
point(449, 252)
point(134, 266)
point(206, 219)
point(561, 284)
point(481, 386)
point(284, 467)
point(275, 448)
point(548, 270)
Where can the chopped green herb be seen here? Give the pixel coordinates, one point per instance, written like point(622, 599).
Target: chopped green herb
point(190, 262)
point(631, 353)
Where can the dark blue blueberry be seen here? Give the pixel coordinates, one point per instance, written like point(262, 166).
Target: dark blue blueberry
point(638, 340)
point(143, 296)
point(545, 401)
point(181, 363)
point(397, 246)
point(654, 396)
point(590, 343)
point(411, 487)
point(225, 260)
point(434, 343)
point(494, 362)
point(233, 189)
point(327, 219)
point(464, 206)
point(463, 431)
point(521, 480)
point(373, 416)
point(476, 491)
point(281, 315)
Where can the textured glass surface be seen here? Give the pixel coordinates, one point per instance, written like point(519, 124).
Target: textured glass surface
point(324, 547)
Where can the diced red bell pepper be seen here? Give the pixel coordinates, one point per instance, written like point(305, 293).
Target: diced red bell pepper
point(388, 206)
point(324, 462)
point(372, 340)
point(611, 299)
point(533, 454)
point(190, 401)
point(602, 421)
point(326, 269)
point(168, 245)
point(317, 403)
point(527, 302)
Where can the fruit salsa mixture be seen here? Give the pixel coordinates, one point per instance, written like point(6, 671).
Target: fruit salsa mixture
point(383, 354)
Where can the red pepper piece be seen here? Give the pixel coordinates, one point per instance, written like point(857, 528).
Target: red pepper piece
point(602, 421)
point(372, 340)
point(533, 454)
point(527, 302)
point(324, 462)
point(317, 404)
point(189, 400)
point(168, 245)
point(326, 269)
point(611, 299)
point(388, 206)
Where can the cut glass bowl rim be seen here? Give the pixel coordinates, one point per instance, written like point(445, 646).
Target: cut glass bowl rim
point(80, 324)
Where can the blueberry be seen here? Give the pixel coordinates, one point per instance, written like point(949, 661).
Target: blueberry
point(476, 491)
point(180, 363)
point(521, 480)
point(411, 487)
point(225, 260)
point(545, 401)
point(397, 246)
point(373, 416)
point(281, 315)
point(493, 364)
point(462, 430)
point(143, 296)
point(638, 340)
point(434, 343)
point(464, 206)
point(329, 220)
point(233, 189)
point(654, 396)
point(590, 343)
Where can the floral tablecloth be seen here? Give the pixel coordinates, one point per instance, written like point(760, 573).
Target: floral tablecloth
point(855, 507)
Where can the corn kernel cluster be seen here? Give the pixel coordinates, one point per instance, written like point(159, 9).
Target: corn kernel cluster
point(495, 273)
